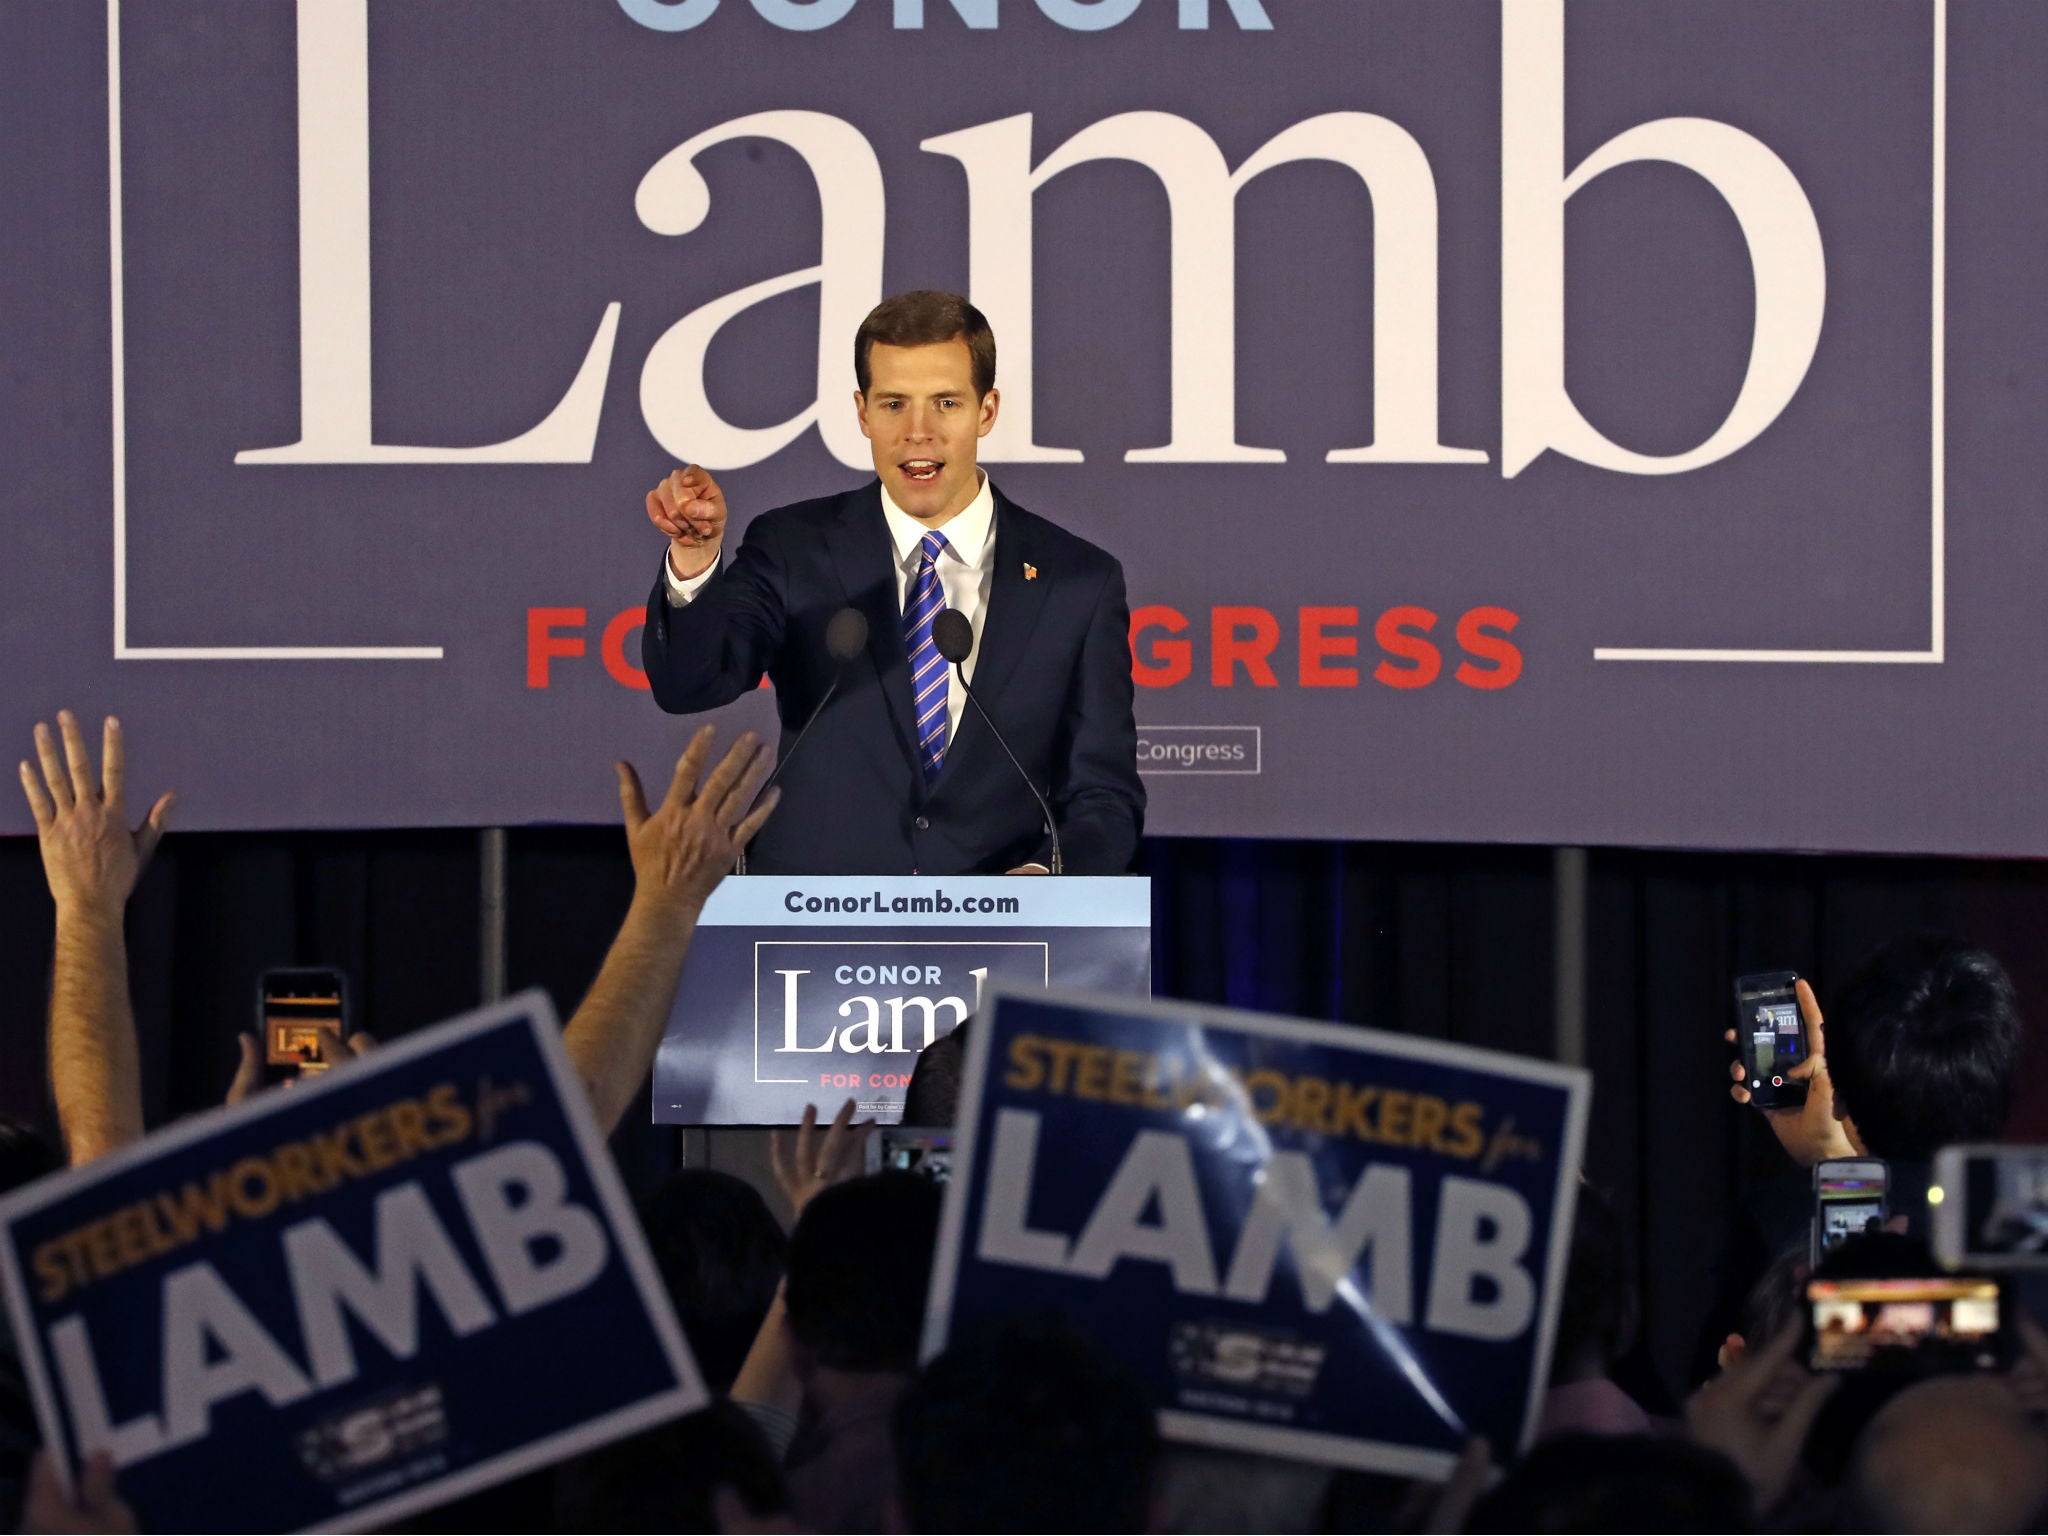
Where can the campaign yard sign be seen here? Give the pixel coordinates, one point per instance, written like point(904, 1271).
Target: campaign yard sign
point(1310, 1240)
point(333, 1306)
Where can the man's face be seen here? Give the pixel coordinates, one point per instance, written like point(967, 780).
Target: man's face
point(922, 416)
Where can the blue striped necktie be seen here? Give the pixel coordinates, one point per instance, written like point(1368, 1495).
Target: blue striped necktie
point(927, 667)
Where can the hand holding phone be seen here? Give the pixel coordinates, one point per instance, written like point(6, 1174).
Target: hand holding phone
point(1849, 1199)
point(294, 1009)
point(1908, 1325)
point(1800, 1110)
point(1992, 1211)
point(1770, 1036)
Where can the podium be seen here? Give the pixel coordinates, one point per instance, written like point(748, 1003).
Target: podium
point(814, 989)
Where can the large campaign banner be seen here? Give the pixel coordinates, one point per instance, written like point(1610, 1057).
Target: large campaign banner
point(811, 991)
point(331, 1307)
point(1589, 421)
point(1310, 1240)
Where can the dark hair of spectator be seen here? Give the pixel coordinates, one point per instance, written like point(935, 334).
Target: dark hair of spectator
point(663, 1479)
point(1023, 1425)
point(859, 1263)
point(1618, 1483)
point(1597, 1317)
point(1922, 1045)
point(721, 1254)
point(926, 318)
point(24, 1154)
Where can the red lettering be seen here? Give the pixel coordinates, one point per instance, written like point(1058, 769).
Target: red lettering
point(1317, 647)
point(613, 649)
point(1226, 650)
point(542, 644)
point(1171, 660)
point(1474, 636)
point(1392, 634)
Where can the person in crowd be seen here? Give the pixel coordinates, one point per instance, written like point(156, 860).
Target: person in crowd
point(1205, 1488)
point(1952, 1453)
point(899, 775)
point(1921, 1053)
point(668, 1478)
point(1774, 1301)
point(1608, 1482)
point(721, 1254)
point(1596, 1323)
point(846, 1336)
point(1023, 1425)
point(1758, 1413)
point(681, 849)
point(92, 859)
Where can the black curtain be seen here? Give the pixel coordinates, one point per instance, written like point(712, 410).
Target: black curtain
point(1452, 942)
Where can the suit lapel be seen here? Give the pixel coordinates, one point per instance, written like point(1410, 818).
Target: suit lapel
point(1015, 601)
point(865, 561)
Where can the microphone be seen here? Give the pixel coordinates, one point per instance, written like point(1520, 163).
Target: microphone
point(846, 636)
point(953, 638)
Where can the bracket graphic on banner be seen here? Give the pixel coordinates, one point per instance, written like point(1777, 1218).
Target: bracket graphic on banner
point(332, 1307)
point(1309, 1240)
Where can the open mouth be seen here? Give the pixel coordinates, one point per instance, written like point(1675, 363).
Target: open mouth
point(921, 471)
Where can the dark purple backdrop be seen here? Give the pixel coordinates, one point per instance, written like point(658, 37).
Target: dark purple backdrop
point(507, 142)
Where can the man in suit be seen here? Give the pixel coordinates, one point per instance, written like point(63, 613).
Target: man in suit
point(900, 775)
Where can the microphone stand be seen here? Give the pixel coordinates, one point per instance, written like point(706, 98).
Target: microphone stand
point(739, 865)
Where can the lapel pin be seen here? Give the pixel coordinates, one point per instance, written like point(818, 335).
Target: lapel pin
point(1030, 572)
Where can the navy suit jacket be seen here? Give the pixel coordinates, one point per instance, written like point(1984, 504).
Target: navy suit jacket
point(1053, 669)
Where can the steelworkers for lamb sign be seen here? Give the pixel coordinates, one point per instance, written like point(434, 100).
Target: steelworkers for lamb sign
point(1437, 522)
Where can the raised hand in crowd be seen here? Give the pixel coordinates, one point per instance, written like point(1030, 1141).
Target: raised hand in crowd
point(1810, 1133)
point(333, 1052)
point(681, 849)
point(805, 1165)
point(690, 508)
point(92, 859)
point(1758, 1411)
point(94, 1507)
point(810, 1161)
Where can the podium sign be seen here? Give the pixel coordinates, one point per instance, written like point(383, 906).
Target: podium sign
point(814, 989)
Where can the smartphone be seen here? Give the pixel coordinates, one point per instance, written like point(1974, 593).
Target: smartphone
point(1908, 1326)
point(1772, 1036)
point(1848, 1200)
point(923, 1150)
point(292, 1007)
point(1990, 1207)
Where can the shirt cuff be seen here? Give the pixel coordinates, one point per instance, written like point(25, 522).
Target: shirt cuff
point(680, 592)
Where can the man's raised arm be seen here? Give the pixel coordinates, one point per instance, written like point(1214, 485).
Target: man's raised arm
point(710, 632)
point(92, 861)
point(681, 850)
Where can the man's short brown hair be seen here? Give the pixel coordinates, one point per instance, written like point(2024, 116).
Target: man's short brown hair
point(924, 319)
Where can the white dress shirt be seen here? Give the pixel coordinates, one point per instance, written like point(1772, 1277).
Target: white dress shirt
point(964, 570)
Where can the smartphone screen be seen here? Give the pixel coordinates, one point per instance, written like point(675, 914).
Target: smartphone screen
point(294, 1006)
point(925, 1151)
point(1917, 1325)
point(1994, 1206)
point(1772, 1037)
point(1848, 1200)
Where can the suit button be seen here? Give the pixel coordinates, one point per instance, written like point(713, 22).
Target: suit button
point(924, 823)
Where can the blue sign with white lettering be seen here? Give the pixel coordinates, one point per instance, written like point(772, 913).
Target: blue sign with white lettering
point(337, 1305)
point(1315, 1241)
